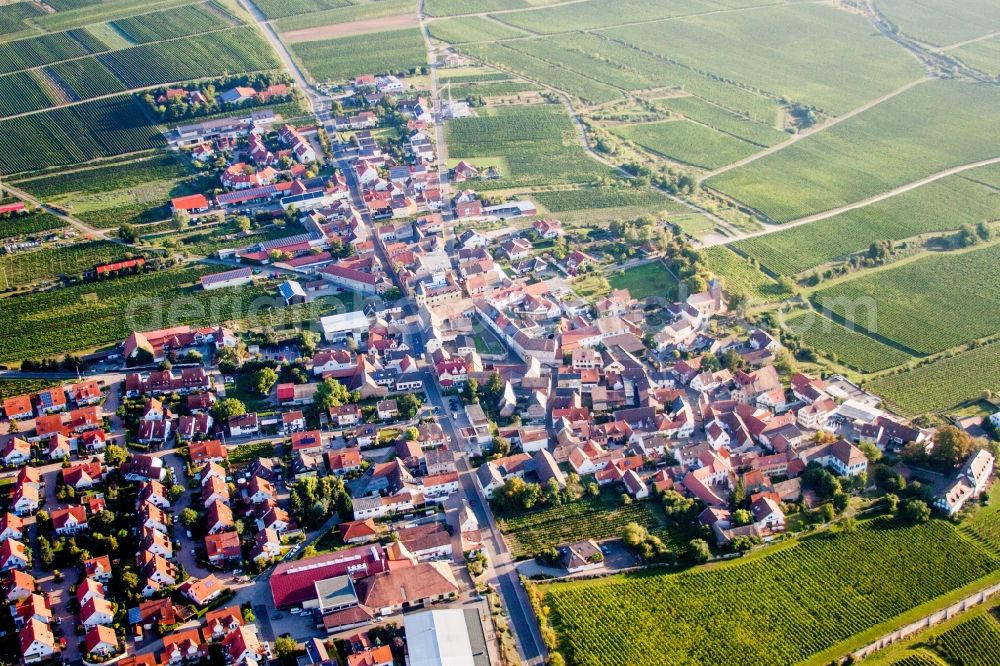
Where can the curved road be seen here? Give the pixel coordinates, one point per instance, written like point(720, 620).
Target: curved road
point(774, 228)
point(68, 219)
point(816, 128)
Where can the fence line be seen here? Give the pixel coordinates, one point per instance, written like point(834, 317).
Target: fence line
point(927, 621)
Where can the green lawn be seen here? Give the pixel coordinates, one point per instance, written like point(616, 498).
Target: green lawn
point(646, 281)
point(246, 453)
point(598, 518)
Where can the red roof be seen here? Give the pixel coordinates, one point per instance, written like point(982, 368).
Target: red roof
point(292, 582)
point(12, 207)
point(190, 202)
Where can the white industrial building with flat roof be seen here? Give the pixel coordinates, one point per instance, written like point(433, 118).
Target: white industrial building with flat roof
point(445, 638)
point(339, 326)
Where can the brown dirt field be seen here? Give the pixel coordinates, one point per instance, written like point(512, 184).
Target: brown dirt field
point(383, 24)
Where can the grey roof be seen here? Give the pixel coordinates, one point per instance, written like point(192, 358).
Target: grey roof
point(336, 592)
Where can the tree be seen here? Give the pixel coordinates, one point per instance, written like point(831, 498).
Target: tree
point(470, 392)
point(181, 219)
point(264, 380)
point(887, 479)
point(130, 581)
point(783, 361)
point(308, 341)
point(891, 502)
point(916, 511)
point(871, 452)
point(840, 501)
point(500, 446)
point(633, 534)
point(739, 496)
point(710, 363)
point(411, 434)
point(115, 455)
point(408, 405)
point(102, 521)
point(825, 513)
point(698, 551)
point(495, 384)
point(190, 518)
point(517, 494)
point(127, 233)
point(242, 223)
point(742, 517)
point(329, 394)
point(45, 553)
point(823, 482)
point(951, 446)
point(176, 491)
point(230, 358)
point(224, 409)
point(732, 361)
point(285, 648)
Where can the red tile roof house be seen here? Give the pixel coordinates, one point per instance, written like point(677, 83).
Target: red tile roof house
point(34, 606)
point(201, 591)
point(98, 568)
point(18, 407)
point(187, 645)
point(25, 499)
point(218, 518)
point(155, 493)
point(37, 642)
point(358, 531)
point(89, 589)
point(344, 461)
point(194, 427)
point(16, 452)
point(266, 545)
point(224, 547)
point(212, 450)
point(224, 620)
point(97, 611)
point(245, 425)
point(83, 475)
point(15, 207)
point(346, 415)
point(101, 641)
point(11, 527)
point(293, 421)
point(85, 393)
point(13, 555)
point(242, 646)
point(18, 585)
point(51, 400)
point(260, 490)
point(193, 204)
point(69, 520)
